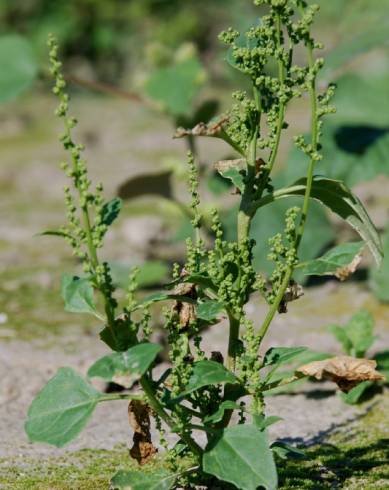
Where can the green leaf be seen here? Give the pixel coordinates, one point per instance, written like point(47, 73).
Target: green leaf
point(119, 336)
point(263, 422)
point(353, 397)
point(151, 273)
point(219, 414)
point(360, 332)
point(59, 233)
point(209, 310)
point(110, 211)
point(78, 295)
point(61, 410)
point(341, 336)
point(285, 451)
point(379, 278)
point(208, 373)
point(156, 184)
point(382, 359)
point(335, 260)
point(357, 45)
point(125, 368)
point(235, 175)
point(18, 66)
point(242, 456)
point(281, 355)
point(175, 87)
point(161, 296)
point(142, 480)
point(341, 201)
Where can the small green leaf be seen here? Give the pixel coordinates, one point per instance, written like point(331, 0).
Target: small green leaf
point(285, 451)
point(341, 336)
point(219, 414)
point(151, 273)
point(209, 310)
point(233, 53)
point(382, 359)
point(208, 373)
point(110, 211)
point(263, 422)
point(59, 233)
point(119, 336)
point(281, 355)
point(61, 410)
point(242, 456)
point(124, 368)
point(335, 260)
point(78, 295)
point(142, 480)
point(18, 66)
point(156, 184)
point(353, 397)
point(236, 176)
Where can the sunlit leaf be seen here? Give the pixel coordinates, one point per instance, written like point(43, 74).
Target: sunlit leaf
point(141, 480)
point(61, 410)
point(78, 295)
point(209, 310)
point(242, 456)
point(379, 279)
point(208, 373)
point(285, 451)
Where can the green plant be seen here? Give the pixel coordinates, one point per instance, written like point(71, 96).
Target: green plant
point(198, 392)
point(356, 338)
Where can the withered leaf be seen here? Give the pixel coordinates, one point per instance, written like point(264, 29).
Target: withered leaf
point(139, 417)
point(347, 372)
point(186, 311)
point(224, 165)
point(202, 129)
point(293, 292)
point(344, 272)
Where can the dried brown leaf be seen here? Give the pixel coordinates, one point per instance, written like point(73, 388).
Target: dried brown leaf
point(202, 129)
point(139, 417)
point(347, 372)
point(186, 311)
point(344, 272)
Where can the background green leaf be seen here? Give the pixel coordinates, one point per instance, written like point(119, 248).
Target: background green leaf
point(142, 480)
point(242, 456)
point(61, 410)
point(379, 278)
point(110, 211)
point(18, 66)
point(281, 355)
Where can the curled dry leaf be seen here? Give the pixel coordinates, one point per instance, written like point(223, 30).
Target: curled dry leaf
point(212, 129)
point(139, 417)
point(225, 165)
point(347, 372)
point(344, 272)
point(293, 292)
point(186, 311)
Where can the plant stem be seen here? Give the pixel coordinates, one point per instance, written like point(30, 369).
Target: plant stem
point(158, 408)
point(314, 143)
point(121, 396)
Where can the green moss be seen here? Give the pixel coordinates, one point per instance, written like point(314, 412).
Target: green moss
point(355, 457)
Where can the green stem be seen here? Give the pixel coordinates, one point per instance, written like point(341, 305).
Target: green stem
point(159, 410)
point(314, 143)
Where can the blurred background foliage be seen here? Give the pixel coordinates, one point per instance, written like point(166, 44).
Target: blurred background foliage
point(165, 55)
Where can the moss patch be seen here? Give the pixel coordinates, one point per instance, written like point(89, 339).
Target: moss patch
point(356, 457)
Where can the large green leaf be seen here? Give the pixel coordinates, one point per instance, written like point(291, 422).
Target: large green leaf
point(341, 201)
point(242, 456)
point(379, 279)
point(18, 66)
point(125, 368)
point(61, 410)
point(335, 261)
point(141, 480)
point(208, 373)
point(78, 295)
point(175, 87)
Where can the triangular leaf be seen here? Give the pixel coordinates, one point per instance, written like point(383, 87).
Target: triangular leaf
point(209, 310)
point(242, 456)
point(124, 368)
point(208, 373)
point(110, 211)
point(61, 410)
point(78, 295)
